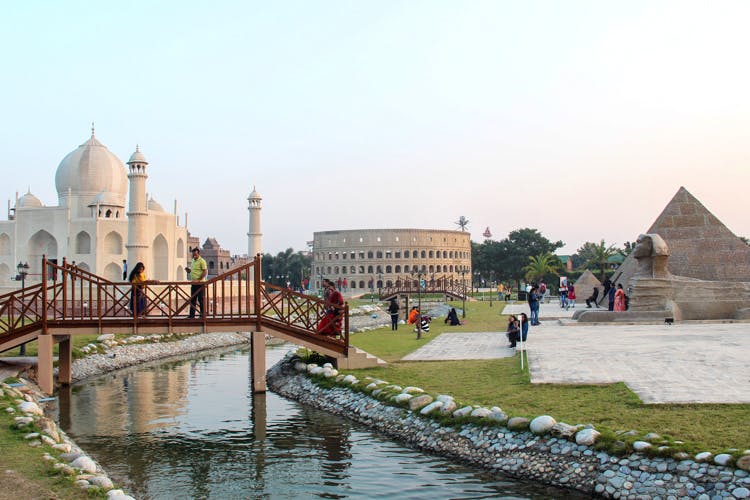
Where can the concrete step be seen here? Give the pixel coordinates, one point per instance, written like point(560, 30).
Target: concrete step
point(358, 359)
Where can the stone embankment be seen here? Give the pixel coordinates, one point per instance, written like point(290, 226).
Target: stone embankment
point(55, 447)
point(540, 450)
point(133, 350)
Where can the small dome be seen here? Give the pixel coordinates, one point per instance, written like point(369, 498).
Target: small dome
point(91, 169)
point(254, 195)
point(106, 199)
point(29, 201)
point(154, 206)
point(137, 157)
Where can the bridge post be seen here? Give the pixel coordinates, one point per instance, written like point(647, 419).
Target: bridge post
point(65, 360)
point(44, 369)
point(258, 361)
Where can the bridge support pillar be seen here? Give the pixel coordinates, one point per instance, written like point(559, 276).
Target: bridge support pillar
point(258, 361)
point(65, 361)
point(44, 363)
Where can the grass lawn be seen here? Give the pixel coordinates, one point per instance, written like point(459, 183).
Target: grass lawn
point(32, 347)
point(25, 474)
point(501, 382)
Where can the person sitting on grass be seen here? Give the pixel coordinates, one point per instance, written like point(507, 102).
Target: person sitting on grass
point(424, 323)
point(413, 315)
point(452, 318)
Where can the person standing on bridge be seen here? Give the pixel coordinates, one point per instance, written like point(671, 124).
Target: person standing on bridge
point(198, 272)
point(138, 279)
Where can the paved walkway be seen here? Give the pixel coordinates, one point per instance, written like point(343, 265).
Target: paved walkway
point(464, 345)
point(546, 311)
point(684, 363)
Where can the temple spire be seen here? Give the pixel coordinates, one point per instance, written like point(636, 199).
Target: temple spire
point(92, 129)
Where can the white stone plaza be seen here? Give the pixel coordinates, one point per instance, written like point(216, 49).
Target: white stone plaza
point(691, 362)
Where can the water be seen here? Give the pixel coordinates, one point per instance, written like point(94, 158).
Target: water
point(193, 429)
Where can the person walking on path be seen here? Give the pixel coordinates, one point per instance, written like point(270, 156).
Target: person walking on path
point(198, 272)
point(534, 305)
point(393, 311)
point(619, 298)
point(611, 298)
point(571, 297)
point(592, 298)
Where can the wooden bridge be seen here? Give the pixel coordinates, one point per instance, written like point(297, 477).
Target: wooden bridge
point(410, 286)
point(70, 301)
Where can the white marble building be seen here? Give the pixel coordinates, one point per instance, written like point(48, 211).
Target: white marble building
point(91, 223)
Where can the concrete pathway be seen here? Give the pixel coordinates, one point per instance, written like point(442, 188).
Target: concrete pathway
point(683, 363)
point(464, 345)
point(547, 312)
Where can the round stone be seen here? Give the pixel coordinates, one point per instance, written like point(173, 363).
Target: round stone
point(542, 425)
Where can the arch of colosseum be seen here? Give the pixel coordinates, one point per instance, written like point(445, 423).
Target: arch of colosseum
point(364, 260)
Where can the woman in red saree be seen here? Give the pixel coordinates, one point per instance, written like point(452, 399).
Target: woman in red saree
point(334, 307)
point(619, 298)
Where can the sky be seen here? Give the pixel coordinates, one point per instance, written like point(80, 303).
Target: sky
point(579, 118)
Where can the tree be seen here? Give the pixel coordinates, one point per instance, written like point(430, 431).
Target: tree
point(507, 258)
point(540, 266)
point(597, 255)
point(293, 266)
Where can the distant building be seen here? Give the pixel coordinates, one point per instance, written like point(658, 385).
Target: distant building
point(368, 259)
point(217, 259)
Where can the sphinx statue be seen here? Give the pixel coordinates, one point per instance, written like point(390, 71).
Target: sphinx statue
point(651, 253)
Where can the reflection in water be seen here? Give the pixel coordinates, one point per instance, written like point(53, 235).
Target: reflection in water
point(193, 429)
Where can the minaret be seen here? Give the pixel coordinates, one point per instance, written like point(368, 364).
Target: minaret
point(138, 246)
point(253, 233)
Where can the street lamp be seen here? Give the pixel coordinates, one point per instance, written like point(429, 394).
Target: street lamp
point(23, 270)
point(418, 273)
point(462, 272)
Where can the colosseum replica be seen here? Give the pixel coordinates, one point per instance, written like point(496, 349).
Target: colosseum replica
point(363, 260)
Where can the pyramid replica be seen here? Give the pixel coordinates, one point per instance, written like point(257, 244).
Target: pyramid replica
point(585, 285)
point(688, 265)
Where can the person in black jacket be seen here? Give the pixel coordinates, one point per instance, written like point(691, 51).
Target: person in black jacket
point(452, 318)
point(393, 311)
point(592, 299)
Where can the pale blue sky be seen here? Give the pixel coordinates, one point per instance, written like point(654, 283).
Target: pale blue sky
point(391, 114)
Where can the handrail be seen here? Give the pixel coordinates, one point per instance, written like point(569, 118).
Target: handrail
point(76, 298)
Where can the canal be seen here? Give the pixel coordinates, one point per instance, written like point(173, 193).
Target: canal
point(193, 429)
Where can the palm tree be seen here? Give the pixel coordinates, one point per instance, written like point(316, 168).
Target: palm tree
point(541, 265)
point(600, 255)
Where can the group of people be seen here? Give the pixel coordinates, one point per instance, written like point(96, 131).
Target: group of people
point(416, 317)
point(517, 329)
point(617, 299)
point(198, 272)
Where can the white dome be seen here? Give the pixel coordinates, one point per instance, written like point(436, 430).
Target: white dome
point(137, 157)
point(106, 198)
point(92, 170)
point(254, 195)
point(154, 206)
point(29, 201)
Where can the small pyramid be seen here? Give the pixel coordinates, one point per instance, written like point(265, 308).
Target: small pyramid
point(585, 285)
point(700, 245)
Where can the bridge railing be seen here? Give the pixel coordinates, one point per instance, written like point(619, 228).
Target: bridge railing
point(76, 294)
point(21, 310)
point(72, 297)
